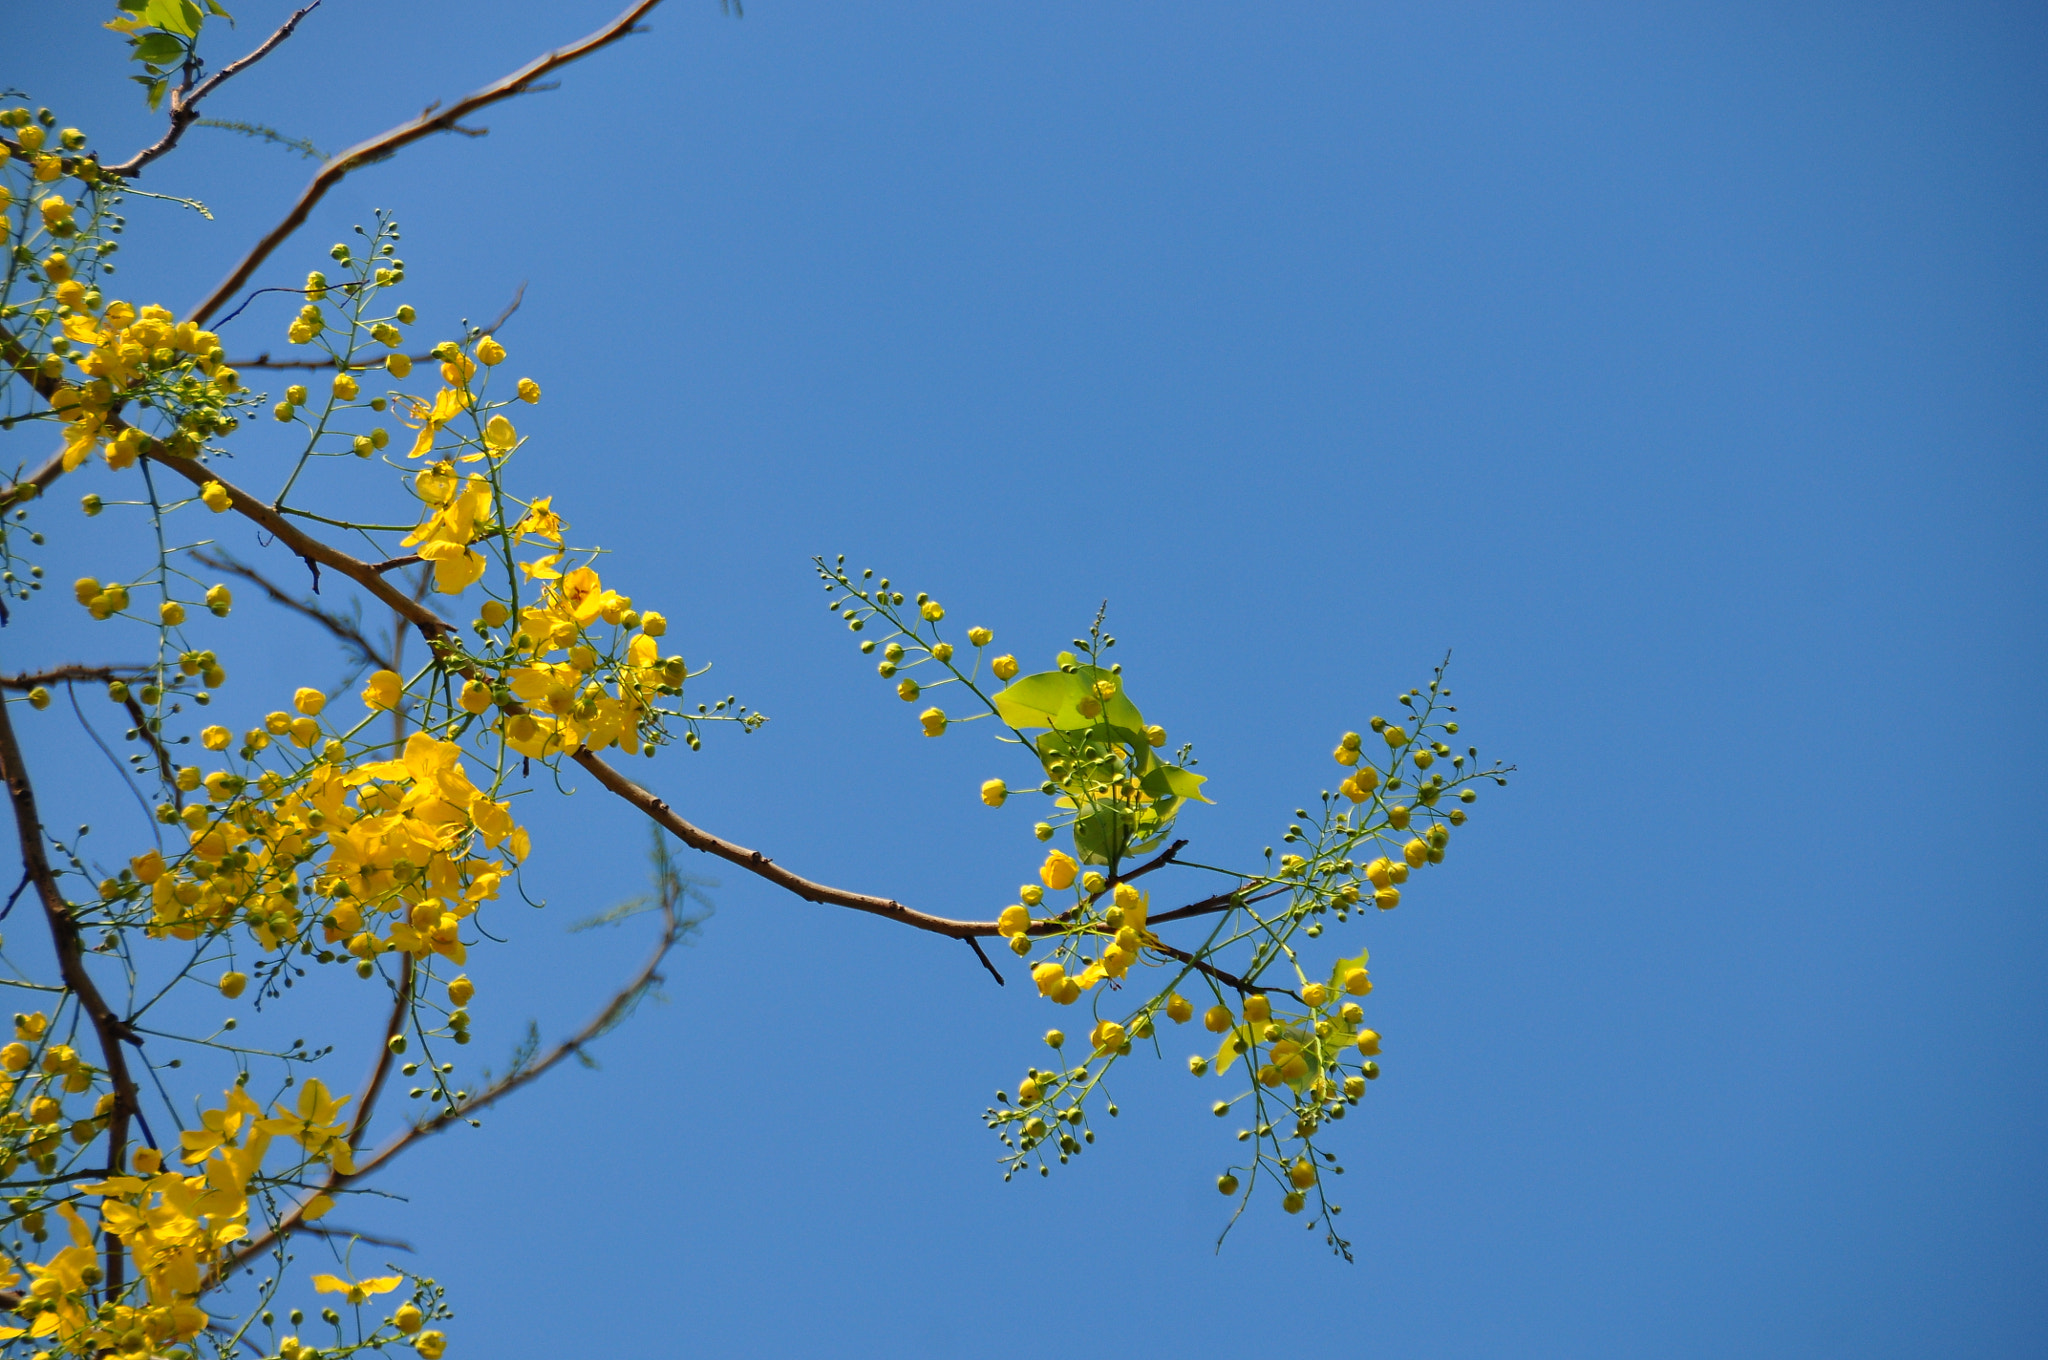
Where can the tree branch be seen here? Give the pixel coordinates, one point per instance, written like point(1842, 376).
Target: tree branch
point(110, 1030)
point(185, 109)
point(387, 143)
point(58, 675)
point(432, 626)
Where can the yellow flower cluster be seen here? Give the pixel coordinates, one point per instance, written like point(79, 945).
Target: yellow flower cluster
point(570, 709)
point(392, 846)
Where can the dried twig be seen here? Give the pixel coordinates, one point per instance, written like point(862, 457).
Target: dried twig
point(346, 630)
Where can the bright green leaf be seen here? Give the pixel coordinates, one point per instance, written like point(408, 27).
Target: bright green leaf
point(181, 17)
point(159, 49)
point(1172, 781)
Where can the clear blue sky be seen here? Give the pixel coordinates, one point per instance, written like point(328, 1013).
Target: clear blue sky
point(1681, 366)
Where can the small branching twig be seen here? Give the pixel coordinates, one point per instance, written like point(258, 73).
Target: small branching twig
point(185, 106)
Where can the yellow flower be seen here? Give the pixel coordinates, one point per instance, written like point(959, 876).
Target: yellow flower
point(1416, 852)
point(994, 792)
point(1057, 873)
point(541, 521)
point(172, 613)
point(357, 1291)
point(308, 700)
point(460, 991)
point(15, 1057)
point(428, 420)
point(383, 690)
point(345, 387)
point(489, 352)
point(980, 637)
point(529, 391)
point(1005, 667)
point(1302, 1174)
point(1386, 899)
point(1315, 994)
point(215, 738)
point(1357, 982)
point(397, 365)
point(407, 1319)
point(499, 436)
point(316, 1125)
point(431, 1345)
point(906, 690)
point(1368, 1042)
point(231, 984)
point(1257, 1010)
point(1107, 1036)
point(931, 611)
point(1179, 1009)
point(216, 497)
point(934, 721)
point(476, 696)
point(1013, 921)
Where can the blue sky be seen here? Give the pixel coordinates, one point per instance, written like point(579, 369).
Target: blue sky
point(1680, 366)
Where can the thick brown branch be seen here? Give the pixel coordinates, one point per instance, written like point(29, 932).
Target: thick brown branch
point(110, 1030)
point(432, 626)
point(307, 547)
point(754, 862)
point(185, 108)
point(386, 143)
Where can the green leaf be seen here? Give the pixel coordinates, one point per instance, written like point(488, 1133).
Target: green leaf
point(1343, 966)
point(215, 8)
point(1036, 700)
point(1235, 1041)
point(181, 17)
point(156, 93)
point(159, 49)
point(1171, 781)
point(1101, 837)
point(1055, 699)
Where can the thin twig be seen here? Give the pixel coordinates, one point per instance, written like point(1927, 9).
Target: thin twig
point(622, 1001)
point(58, 675)
point(185, 108)
point(264, 360)
point(323, 1230)
point(386, 143)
